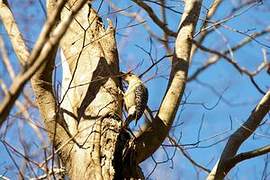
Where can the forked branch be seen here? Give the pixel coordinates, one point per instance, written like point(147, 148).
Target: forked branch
point(229, 158)
point(162, 122)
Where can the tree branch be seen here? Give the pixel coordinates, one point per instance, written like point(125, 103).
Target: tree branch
point(41, 51)
point(154, 17)
point(250, 154)
point(6, 59)
point(14, 33)
point(214, 59)
point(240, 69)
point(211, 12)
point(239, 136)
point(162, 122)
point(174, 143)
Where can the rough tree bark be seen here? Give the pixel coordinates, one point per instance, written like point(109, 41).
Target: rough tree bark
point(84, 124)
point(90, 102)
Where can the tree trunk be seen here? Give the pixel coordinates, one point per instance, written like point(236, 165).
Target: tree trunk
point(85, 123)
point(90, 99)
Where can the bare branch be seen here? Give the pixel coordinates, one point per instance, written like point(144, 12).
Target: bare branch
point(172, 140)
point(250, 154)
point(239, 136)
point(13, 32)
point(24, 111)
point(214, 59)
point(6, 60)
point(161, 124)
point(154, 17)
point(211, 12)
point(44, 45)
point(240, 69)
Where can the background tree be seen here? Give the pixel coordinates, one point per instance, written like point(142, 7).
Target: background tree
point(74, 66)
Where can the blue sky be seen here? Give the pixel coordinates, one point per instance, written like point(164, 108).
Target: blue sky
point(234, 87)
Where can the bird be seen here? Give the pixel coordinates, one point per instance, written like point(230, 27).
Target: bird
point(135, 97)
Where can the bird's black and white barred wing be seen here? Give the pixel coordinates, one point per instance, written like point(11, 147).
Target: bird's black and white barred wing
point(141, 98)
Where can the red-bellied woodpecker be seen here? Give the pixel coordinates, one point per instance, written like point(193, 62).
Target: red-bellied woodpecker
point(135, 97)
